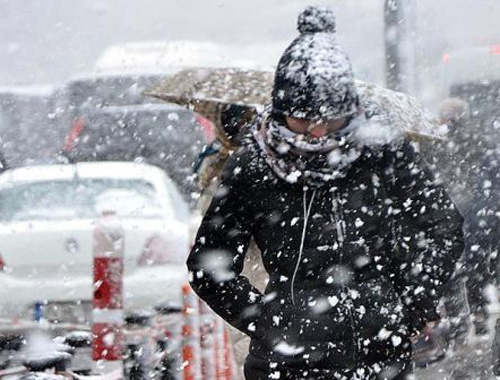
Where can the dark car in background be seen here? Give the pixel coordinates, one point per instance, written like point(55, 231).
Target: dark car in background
point(108, 118)
point(95, 91)
point(101, 117)
point(165, 135)
point(101, 90)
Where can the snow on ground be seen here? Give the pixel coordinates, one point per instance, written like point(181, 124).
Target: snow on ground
point(471, 362)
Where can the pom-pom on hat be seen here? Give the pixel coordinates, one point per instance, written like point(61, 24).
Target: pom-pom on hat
point(314, 78)
point(316, 20)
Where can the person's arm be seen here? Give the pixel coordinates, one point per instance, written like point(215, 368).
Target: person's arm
point(216, 260)
point(428, 235)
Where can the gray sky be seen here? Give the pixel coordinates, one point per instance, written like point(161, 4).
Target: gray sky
point(46, 41)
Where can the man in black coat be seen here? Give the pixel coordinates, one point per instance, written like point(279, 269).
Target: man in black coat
point(356, 236)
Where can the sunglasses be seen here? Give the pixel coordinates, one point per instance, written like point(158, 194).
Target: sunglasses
point(315, 129)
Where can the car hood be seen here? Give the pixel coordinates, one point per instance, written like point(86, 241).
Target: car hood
point(143, 289)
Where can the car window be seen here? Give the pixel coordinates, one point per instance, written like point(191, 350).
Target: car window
point(80, 198)
point(162, 136)
point(110, 90)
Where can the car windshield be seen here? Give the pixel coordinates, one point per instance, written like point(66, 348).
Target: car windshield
point(80, 198)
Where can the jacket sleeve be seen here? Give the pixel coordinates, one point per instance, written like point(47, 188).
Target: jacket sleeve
point(427, 233)
point(217, 257)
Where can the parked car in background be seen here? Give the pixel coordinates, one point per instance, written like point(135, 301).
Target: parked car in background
point(164, 135)
point(94, 91)
point(169, 57)
point(47, 216)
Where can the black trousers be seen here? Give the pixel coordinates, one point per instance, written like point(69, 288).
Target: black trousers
point(399, 371)
point(257, 374)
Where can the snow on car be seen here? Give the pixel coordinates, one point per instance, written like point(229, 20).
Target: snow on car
point(47, 216)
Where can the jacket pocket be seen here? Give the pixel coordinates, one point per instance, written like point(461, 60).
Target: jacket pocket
point(303, 335)
point(378, 309)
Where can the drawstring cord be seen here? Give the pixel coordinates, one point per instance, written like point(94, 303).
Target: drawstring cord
point(307, 212)
point(338, 218)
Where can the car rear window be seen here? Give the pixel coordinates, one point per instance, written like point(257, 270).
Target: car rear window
point(80, 198)
point(159, 135)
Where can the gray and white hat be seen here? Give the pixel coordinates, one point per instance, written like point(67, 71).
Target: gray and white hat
point(314, 79)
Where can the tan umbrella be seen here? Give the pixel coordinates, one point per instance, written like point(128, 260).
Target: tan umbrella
point(400, 111)
point(206, 90)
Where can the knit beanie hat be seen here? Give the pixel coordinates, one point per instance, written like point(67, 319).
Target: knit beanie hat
point(314, 78)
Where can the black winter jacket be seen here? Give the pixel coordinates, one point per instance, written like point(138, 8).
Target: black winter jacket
point(355, 265)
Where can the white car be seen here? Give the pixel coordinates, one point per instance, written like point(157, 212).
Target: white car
point(47, 217)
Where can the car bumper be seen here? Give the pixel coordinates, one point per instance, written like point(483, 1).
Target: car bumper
point(143, 289)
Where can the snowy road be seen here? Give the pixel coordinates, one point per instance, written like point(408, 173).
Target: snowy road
point(472, 362)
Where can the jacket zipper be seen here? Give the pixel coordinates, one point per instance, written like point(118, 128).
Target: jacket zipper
point(338, 216)
point(307, 212)
point(355, 338)
point(341, 235)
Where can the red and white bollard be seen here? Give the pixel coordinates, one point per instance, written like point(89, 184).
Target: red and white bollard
point(107, 316)
point(229, 365)
point(219, 349)
point(223, 357)
point(207, 342)
point(191, 335)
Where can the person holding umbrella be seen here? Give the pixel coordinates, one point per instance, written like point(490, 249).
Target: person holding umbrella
point(356, 236)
